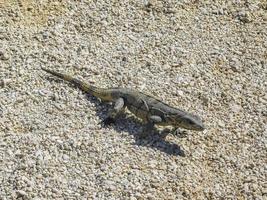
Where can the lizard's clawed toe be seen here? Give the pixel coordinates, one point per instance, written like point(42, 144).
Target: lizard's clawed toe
point(179, 133)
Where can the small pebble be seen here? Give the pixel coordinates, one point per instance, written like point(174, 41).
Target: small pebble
point(4, 55)
point(21, 193)
point(5, 82)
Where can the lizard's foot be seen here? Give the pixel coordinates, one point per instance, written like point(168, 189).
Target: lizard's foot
point(108, 121)
point(177, 132)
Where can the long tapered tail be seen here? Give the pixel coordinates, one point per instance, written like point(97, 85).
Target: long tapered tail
point(97, 92)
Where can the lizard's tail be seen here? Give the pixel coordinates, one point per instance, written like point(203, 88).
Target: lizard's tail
point(97, 92)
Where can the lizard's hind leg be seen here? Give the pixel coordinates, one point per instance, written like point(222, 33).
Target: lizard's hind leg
point(119, 106)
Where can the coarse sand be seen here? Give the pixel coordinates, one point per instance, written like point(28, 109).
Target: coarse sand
point(206, 57)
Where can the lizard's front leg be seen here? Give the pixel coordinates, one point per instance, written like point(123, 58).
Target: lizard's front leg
point(178, 132)
point(174, 131)
point(113, 113)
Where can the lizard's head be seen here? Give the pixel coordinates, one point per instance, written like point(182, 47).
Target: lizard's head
point(187, 121)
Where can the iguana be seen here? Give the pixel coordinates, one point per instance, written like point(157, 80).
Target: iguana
point(149, 109)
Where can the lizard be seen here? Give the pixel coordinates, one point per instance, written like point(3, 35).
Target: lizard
point(148, 108)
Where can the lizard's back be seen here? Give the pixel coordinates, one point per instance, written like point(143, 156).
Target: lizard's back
point(143, 105)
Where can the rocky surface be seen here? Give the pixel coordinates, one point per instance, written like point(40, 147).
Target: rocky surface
point(206, 57)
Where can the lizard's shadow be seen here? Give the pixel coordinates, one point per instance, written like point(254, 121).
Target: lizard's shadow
point(152, 141)
point(133, 126)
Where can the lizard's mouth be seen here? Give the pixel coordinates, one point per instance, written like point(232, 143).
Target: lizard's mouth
point(200, 128)
point(194, 127)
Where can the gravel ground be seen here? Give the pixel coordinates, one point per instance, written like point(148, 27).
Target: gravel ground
point(205, 57)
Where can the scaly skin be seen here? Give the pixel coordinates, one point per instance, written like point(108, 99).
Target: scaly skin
point(149, 109)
